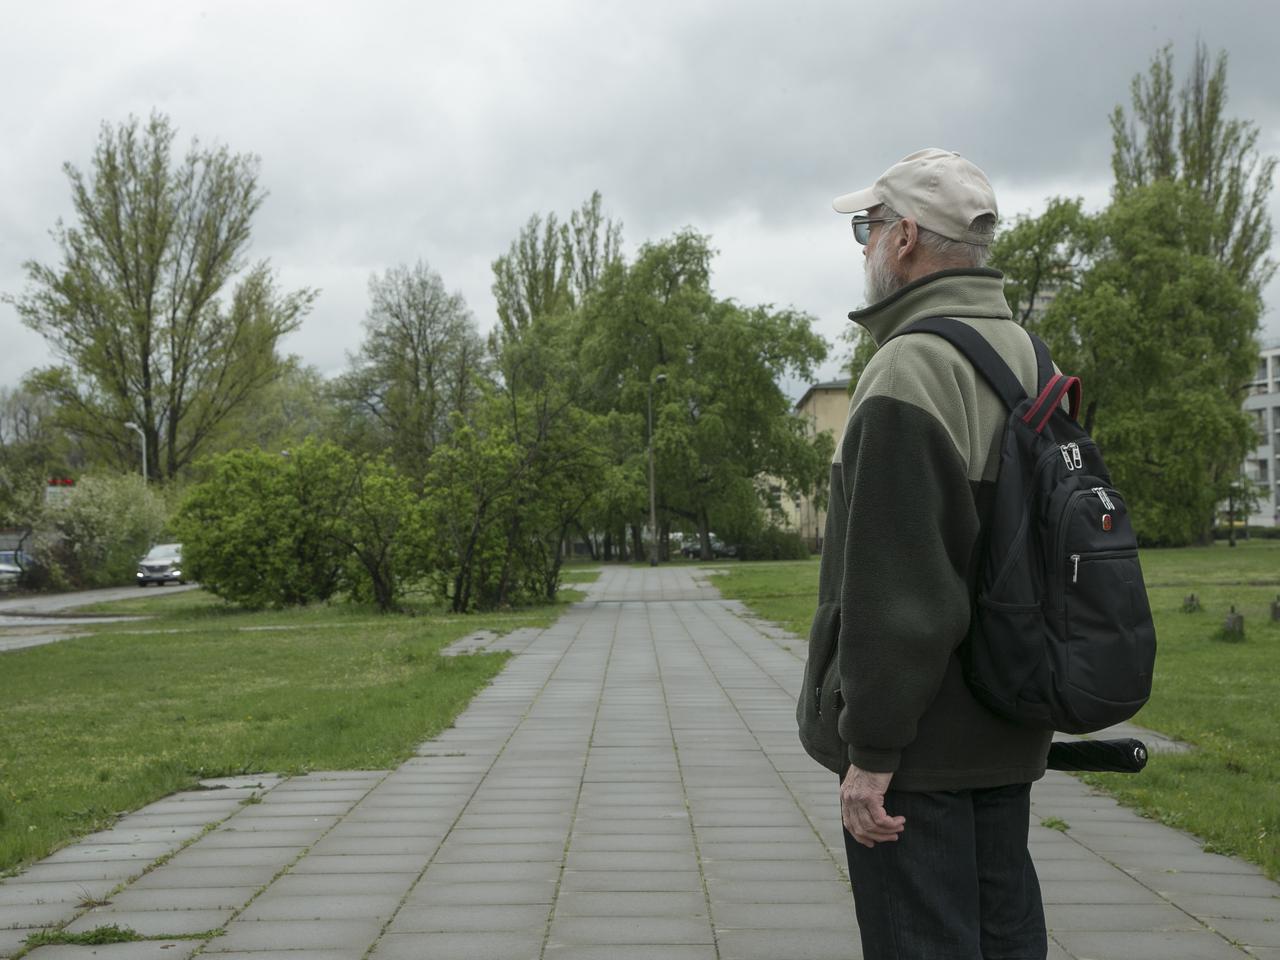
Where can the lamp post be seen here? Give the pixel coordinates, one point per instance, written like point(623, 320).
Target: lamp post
point(653, 496)
point(133, 426)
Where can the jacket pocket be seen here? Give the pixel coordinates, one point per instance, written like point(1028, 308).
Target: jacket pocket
point(818, 707)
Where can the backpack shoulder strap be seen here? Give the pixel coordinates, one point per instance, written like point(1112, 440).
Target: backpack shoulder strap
point(1044, 362)
point(981, 354)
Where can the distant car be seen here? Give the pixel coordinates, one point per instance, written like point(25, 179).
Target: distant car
point(161, 564)
point(718, 548)
point(9, 573)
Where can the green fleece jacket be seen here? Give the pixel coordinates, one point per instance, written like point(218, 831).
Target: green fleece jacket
point(911, 482)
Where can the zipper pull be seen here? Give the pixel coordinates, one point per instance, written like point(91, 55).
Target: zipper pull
point(1066, 456)
point(1075, 568)
point(1102, 495)
point(1076, 456)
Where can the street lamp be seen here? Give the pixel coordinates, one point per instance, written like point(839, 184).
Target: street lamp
point(133, 426)
point(653, 497)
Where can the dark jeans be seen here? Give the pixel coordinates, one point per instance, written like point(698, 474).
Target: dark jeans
point(958, 884)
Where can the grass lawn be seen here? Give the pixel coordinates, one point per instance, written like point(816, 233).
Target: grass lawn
point(94, 727)
point(1224, 698)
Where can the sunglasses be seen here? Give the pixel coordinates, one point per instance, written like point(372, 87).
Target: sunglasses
point(862, 227)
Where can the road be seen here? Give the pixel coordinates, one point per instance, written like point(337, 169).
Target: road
point(42, 604)
point(32, 621)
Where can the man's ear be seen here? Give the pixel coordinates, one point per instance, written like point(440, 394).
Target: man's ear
point(908, 237)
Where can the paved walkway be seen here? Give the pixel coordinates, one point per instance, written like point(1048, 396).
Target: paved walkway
point(629, 787)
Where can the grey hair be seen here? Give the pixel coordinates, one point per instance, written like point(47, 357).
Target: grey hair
point(955, 253)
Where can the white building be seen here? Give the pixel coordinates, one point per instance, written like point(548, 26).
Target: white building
point(1262, 466)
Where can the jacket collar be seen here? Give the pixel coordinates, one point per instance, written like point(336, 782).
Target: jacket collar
point(967, 292)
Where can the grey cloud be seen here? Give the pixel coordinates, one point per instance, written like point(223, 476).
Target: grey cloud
point(402, 131)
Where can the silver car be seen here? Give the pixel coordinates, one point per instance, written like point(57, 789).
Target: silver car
point(161, 564)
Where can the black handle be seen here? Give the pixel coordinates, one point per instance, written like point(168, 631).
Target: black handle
point(1115, 756)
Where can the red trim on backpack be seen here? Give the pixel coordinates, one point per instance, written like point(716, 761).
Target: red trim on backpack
point(1076, 394)
point(1040, 400)
point(1069, 385)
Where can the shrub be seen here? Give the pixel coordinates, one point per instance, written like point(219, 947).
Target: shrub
point(265, 530)
point(93, 535)
point(774, 543)
point(257, 532)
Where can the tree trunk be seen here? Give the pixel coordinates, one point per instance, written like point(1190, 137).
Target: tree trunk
point(608, 546)
point(590, 542)
point(504, 581)
point(704, 534)
point(637, 540)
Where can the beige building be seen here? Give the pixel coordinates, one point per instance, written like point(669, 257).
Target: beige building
point(826, 407)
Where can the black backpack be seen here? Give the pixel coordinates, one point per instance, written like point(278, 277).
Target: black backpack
point(1061, 633)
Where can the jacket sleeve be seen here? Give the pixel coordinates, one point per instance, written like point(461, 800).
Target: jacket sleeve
point(905, 597)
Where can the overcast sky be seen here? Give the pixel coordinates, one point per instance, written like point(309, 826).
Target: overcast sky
point(391, 132)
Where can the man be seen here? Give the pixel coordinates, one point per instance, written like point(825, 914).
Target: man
point(935, 788)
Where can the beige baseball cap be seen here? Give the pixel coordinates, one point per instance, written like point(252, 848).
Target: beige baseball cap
point(940, 190)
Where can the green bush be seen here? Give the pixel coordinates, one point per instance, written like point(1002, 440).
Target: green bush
point(270, 531)
point(257, 532)
point(774, 543)
point(95, 532)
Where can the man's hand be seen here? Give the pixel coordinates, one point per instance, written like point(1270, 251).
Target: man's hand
point(862, 807)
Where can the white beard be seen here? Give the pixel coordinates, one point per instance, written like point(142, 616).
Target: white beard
point(881, 281)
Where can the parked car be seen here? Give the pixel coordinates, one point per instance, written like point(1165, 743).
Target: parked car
point(719, 548)
point(9, 573)
point(161, 564)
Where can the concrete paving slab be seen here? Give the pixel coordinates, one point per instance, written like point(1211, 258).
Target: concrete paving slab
point(459, 946)
point(170, 877)
point(321, 885)
point(20, 891)
point(579, 903)
point(816, 944)
point(489, 917)
point(282, 935)
point(1148, 945)
point(429, 893)
point(274, 906)
point(622, 951)
point(183, 898)
point(34, 915)
point(1099, 917)
point(13, 941)
point(656, 931)
point(148, 950)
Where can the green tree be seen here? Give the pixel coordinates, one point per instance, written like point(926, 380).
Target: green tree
point(1188, 137)
point(297, 405)
point(134, 308)
point(381, 529)
point(421, 361)
point(1156, 299)
point(721, 420)
point(468, 497)
point(31, 451)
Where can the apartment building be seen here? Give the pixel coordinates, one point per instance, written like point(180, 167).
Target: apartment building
point(1262, 466)
point(826, 407)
